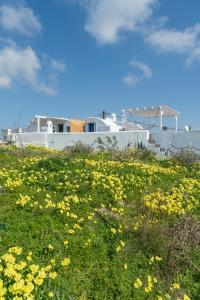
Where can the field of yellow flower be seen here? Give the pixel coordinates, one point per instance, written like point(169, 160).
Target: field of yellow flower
point(98, 226)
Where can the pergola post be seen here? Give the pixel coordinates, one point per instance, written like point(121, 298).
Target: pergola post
point(124, 118)
point(161, 118)
point(38, 124)
point(176, 125)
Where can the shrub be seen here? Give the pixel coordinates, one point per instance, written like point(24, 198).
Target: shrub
point(132, 153)
point(187, 157)
point(79, 148)
point(110, 144)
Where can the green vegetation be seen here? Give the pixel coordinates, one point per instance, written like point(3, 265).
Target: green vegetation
point(81, 225)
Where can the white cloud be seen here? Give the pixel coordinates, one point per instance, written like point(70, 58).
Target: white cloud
point(106, 19)
point(131, 79)
point(183, 42)
point(47, 89)
point(5, 82)
point(144, 70)
point(22, 66)
point(65, 1)
point(194, 56)
point(172, 40)
point(19, 19)
point(58, 65)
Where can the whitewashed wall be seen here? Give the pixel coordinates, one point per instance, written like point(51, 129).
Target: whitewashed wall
point(61, 140)
point(177, 139)
point(34, 138)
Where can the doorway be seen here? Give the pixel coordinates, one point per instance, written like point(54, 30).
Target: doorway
point(91, 127)
point(60, 128)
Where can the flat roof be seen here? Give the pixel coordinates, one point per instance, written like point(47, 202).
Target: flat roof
point(53, 118)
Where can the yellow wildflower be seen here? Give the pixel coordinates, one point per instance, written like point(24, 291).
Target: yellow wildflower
point(65, 261)
point(176, 286)
point(51, 294)
point(113, 230)
point(186, 297)
point(138, 283)
point(52, 275)
point(118, 248)
point(50, 247)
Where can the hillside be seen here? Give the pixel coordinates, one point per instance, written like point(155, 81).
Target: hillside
point(98, 226)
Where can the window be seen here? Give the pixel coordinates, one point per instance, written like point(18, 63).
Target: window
point(91, 127)
point(68, 129)
point(60, 127)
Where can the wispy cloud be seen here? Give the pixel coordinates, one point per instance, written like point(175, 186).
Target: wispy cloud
point(19, 19)
point(22, 66)
point(58, 65)
point(145, 69)
point(131, 79)
point(106, 19)
point(66, 1)
point(185, 42)
point(172, 40)
point(143, 72)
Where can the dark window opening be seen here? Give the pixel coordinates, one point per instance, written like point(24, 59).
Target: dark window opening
point(91, 127)
point(68, 129)
point(60, 128)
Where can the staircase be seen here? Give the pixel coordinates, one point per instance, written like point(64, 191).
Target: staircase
point(156, 148)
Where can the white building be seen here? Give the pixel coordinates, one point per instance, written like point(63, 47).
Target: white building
point(48, 124)
point(59, 133)
point(67, 132)
point(8, 135)
point(110, 124)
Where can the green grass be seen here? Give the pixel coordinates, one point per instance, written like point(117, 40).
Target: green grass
point(111, 190)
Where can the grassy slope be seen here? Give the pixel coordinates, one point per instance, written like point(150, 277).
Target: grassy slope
point(97, 269)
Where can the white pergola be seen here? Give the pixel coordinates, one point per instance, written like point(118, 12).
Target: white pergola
point(162, 111)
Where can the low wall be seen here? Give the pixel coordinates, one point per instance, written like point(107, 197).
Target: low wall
point(178, 139)
point(61, 140)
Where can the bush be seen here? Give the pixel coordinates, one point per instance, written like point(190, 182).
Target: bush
point(133, 154)
point(79, 148)
point(187, 157)
point(110, 144)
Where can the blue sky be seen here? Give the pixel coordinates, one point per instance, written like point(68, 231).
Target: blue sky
point(75, 58)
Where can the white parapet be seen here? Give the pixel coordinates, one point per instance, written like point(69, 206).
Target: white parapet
point(61, 140)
